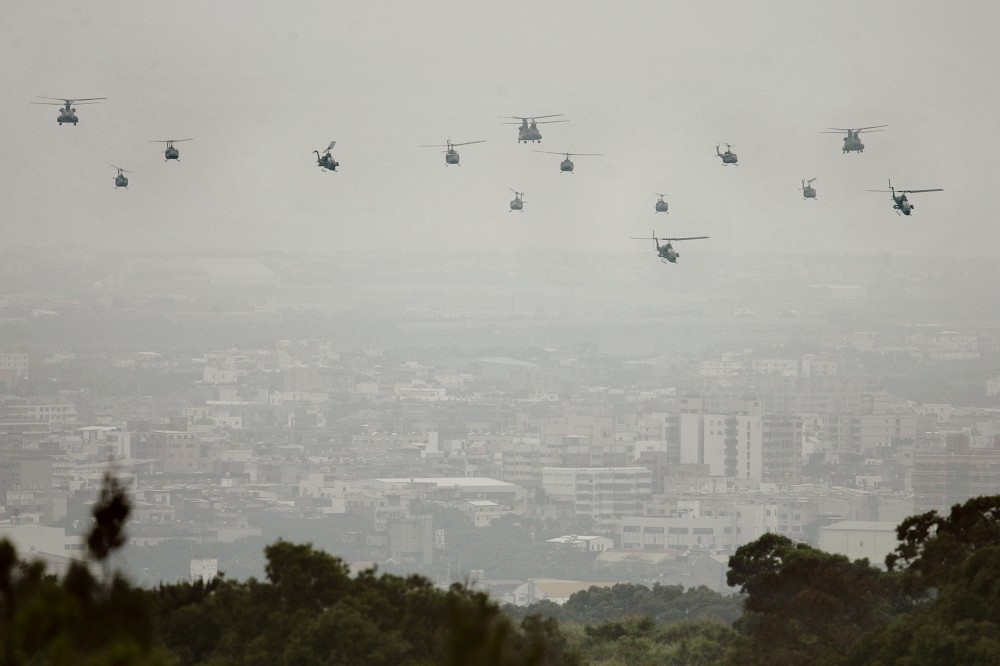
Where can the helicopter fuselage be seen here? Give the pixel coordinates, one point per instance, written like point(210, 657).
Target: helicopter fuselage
point(326, 161)
point(661, 207)
point(903, 205)
point(808, 193)
point(517, 204)
point(566, 165)
point(121, 181)
point(67, 115)
point(667, 254)
point(451, 157)
point(852, 144)
point(526, 133)
point(172, 153)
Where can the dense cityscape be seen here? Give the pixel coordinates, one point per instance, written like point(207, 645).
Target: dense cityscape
point(548, 440)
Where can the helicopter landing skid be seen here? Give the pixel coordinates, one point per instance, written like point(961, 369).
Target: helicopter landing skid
point(667, 261)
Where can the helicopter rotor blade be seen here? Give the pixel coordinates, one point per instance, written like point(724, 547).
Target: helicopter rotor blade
point(685, 238)
point(935, 189)
point(862, 129)
point(466, 143)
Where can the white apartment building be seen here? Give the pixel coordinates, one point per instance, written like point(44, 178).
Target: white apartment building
point(697, 524)
point(730, 444)
point(16, 361)
point(599, 493)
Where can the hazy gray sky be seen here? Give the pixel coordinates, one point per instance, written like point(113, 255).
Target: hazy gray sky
point(651, 85)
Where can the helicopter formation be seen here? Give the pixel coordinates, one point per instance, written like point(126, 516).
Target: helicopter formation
point(528, 132)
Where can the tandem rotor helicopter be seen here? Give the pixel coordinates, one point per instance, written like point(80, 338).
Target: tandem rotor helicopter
point(808, 191)
point(567, 164)
point(121, 180)
point(852, 142)
point(67, 114)
point(899, 200)
point(528, 130)
point(326, 161)
point(451, 155)
point(666, 252)
point(728, 157)
point(170, 153)
point(517, 203)
point(661, 205)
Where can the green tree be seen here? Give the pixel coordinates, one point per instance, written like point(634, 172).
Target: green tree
point(805, 606)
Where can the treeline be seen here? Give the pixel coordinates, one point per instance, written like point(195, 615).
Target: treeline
point(937, 601)
point(664, 604)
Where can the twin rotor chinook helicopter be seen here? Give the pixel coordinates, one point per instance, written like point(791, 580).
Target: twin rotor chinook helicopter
point(528, 130)
point(852, 142)
point(67, 114)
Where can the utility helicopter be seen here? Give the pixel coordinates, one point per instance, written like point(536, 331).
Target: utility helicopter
point(451, 155)
point(170, 153)
point(667, 252)
point(661, 205)
point(808, 191)
point(326, 161)
point(517, 203)
point(852, 142)
point(121, 180)
point(528, 130)
point(67, 114)
point(899, 200)
point(566, 164)
point(728, 157)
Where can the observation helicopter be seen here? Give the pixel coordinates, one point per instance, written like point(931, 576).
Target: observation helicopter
point(852, 142)
point(808, 191)
point(451, 155)
point(667, 252)
point(518, 202)
point(566, 164)
point(661, 205)
point(170, 153)
point(120, 179)
point(728, 157)
point(326, 161)
point(528, 130)
point(899, 200)
point(67, 114)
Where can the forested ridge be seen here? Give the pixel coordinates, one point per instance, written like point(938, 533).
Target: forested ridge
point(936, 601)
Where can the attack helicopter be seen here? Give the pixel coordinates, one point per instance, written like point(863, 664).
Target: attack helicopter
point(451, 155)
point(728, 157)
point(899, 201)
point(326, 161)
point(517, 203)
point(121, 180)
point(666, 252)
point(170, 153)
point(67, 114)
point(852, 142)
point(808, 191)
point(661, 205)
point(528, 130)
point(566, 164)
